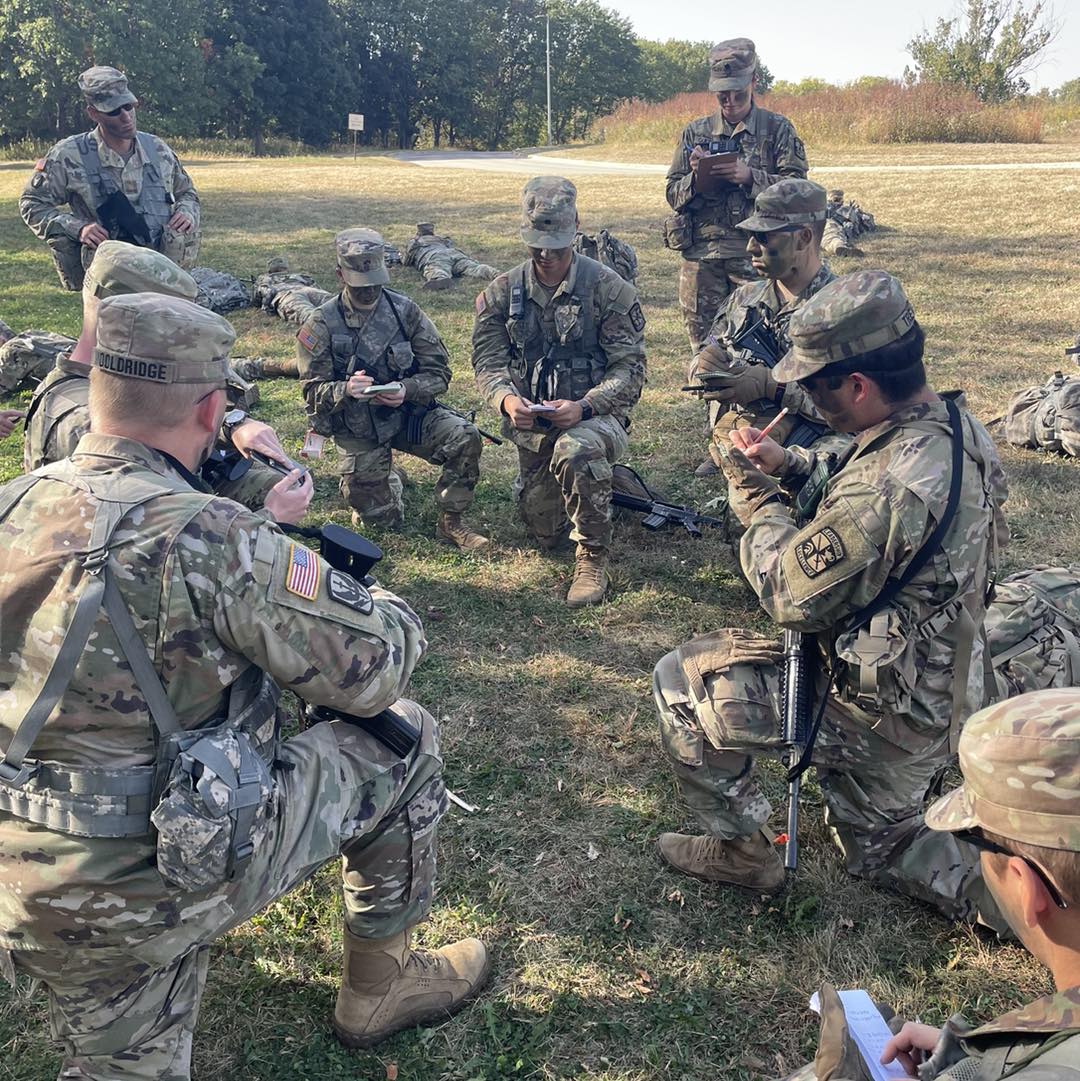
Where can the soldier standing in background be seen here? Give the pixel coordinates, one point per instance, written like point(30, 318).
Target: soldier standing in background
point(709, 201)
point(96, 173)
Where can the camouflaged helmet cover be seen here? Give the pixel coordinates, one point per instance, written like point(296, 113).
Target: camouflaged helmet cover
point(787, 202)
point(361, 257)
point(162, 339)
point(732, 64)
point(849, 317)
point(105, 89)
point(549, 212)
point(1021, 764)
point(120, 268)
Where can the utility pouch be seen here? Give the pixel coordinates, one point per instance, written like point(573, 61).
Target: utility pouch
point(678, 232)
point(400, 358)
point(181, 248)
point(217, 802)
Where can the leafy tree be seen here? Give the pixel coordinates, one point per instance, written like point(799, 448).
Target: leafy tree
point(988, 51)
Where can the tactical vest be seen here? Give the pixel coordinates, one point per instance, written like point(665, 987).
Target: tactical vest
point(51, 404)
point(1057, 1058)
point(154, 202)
point(386, 354)
point(554, 361)
point(103, 802)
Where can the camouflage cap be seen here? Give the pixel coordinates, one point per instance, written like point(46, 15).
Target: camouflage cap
point(850, 316)
point(119, 267)
point(1021, 764)
point(425, 228)
point(277, 264)
point(732, 64)
point(162, 339)
point(836, 195)
point(787, 202)
point(105, 89)
point(548, 212)
point(361, 257)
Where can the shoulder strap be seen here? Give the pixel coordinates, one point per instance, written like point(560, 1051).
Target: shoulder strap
point(333, 317)
point(397, 315)
point(39, 397)
point(91, 163)
point(588, 275)
point(932, 543)
point(149, 149)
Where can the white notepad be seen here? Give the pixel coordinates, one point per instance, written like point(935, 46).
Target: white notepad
point(869, 1031)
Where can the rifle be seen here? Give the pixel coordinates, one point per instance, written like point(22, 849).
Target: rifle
point(119, 218)
point(797, 688)
point(630, 491)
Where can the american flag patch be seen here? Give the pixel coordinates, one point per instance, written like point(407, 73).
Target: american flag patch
point(307, 339)
point(481, 303)
point(302, 575)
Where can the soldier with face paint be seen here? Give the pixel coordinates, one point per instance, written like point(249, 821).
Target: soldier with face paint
point(371, 336)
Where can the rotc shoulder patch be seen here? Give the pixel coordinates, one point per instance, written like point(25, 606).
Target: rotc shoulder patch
point(817, 553)
point(302, 572)
point(637, 319)
point(481, 303)
point(346, 590)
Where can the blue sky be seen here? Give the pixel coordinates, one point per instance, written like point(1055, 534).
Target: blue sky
point(835, 40)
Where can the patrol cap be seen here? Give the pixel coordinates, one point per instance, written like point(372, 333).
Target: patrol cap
point(787, 202)
point(277, 264)
point(425, 228)
point(836, 195)
point(1021, 764)
point(119, 267)
point(105, 89)
point(162, 339)
point(732, 64)
point(850, 316)
point(361, 257)
point(549, 212)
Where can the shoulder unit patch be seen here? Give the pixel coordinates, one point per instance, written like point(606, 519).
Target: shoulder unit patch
point(346, 590)
point(637, 318)
point(819, 552)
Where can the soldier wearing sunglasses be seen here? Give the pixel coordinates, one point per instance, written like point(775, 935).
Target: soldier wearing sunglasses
point(117, 183)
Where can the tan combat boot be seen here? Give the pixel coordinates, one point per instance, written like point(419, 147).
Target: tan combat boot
point(386, 986)
point(590, 578)
point(751, 862)
point(453, 530)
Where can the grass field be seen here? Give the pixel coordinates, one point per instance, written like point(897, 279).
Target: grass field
point(607, 964)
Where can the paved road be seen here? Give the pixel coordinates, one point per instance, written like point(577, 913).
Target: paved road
point(506, 161)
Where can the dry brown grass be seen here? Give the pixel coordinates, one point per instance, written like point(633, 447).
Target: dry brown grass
point(547, 716)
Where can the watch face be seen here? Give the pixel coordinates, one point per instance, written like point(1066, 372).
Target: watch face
point(234, 416)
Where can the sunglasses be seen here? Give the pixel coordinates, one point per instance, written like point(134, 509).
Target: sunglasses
point(121, 109)
point(763, 238)
point(984, 844)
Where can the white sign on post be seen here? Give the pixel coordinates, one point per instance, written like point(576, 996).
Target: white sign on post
point(356, 121)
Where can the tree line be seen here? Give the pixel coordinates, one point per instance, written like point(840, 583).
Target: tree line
point(443, 72)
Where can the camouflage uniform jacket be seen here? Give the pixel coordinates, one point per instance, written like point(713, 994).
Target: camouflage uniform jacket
point(758, 300)
point(767, 143)
point(421, 248)
point(504, 350)
point(876, 513)
point(210, 590)
point(410, 352)
point(59, 414)
point(60, 178)
point(1043, 1035)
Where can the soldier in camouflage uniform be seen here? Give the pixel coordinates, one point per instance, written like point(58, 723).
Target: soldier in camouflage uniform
point(900, 662)
point(785, 248)
point(367, 336)
point(28, 357)
point(59, 413)
point(83, 171)
point(563, 331)
point(116, 883)
point(708, 205)
point(440, 261)
point(1020, 807)
point(846, 222)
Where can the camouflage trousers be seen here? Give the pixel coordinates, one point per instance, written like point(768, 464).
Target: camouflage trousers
point(130, 1014)
point(373, 490)
point(873, 790)
point(295, 305)
point(704, 285)
point(440, 265)
point(71, 258)
point(568, 481)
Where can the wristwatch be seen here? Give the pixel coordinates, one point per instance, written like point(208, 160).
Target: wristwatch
point(232, 420)
point(586, 409)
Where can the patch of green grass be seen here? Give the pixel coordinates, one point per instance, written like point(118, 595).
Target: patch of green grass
point(610, 967)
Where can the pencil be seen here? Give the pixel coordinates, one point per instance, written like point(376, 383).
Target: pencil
point(772, 424)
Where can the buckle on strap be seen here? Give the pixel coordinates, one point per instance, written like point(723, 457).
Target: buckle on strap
point(17, 776)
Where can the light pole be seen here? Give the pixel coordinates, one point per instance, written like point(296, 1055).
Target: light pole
point(547, 19)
